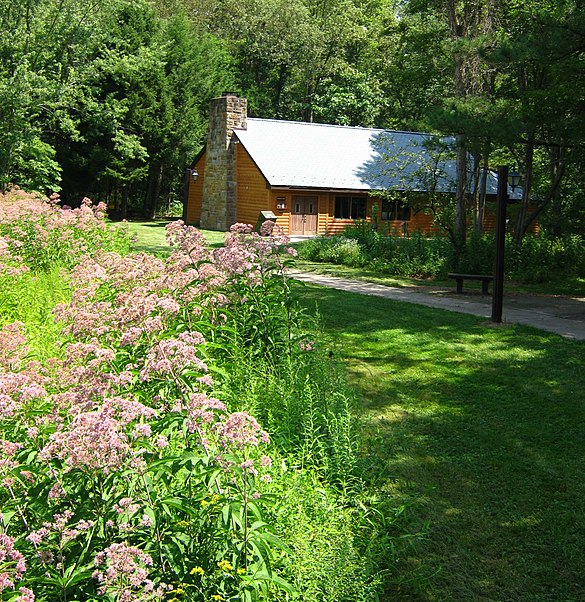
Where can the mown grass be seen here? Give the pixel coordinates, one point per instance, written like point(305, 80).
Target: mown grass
point(150, 237)
point(481, 432)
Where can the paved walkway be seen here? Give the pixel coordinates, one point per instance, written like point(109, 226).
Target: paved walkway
point(561, 315)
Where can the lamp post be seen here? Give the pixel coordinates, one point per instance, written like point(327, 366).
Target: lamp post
point(505, 179)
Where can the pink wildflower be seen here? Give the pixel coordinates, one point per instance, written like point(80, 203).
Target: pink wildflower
point(93, 441)
point(239, 430)
point(248, 467)
point(122, 571)
point(12, 345)
point(161, 442)
point(202, 410)
point(142, 430)
point(11, 561)
point(26, 595)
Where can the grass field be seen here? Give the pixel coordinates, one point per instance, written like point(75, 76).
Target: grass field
point(481, 433)
point(150, 236)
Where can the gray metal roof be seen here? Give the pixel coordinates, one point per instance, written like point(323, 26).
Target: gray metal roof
point(309, 155)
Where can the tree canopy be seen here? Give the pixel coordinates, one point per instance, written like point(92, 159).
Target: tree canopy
point(110, 98)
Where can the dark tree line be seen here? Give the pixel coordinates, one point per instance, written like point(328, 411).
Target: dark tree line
point(109, 98)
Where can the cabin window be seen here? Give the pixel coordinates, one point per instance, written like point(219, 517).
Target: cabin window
point(395, 209)
point(350, 207)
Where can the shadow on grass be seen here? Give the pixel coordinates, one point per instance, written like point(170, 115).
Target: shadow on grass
point(483, 431)
point(162, 225)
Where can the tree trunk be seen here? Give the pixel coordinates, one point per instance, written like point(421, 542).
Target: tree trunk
point(124, 205)
point(519, 229)
point(308, 110)
point(157, 187)
point(153, 190)
point(556, 216)
point(460, 197)
point(483, 193)
point(557, 172)
point(476, 193)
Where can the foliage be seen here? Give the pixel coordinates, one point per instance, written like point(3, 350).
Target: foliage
point(108, 98)
point(37, 234)
point(132, 468)
point(413, 255)
point(537, 259)
point(546, 259)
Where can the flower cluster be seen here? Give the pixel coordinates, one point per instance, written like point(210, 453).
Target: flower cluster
point(12, 566)
point(123, 572)
point(123, 449)
point(37, 234)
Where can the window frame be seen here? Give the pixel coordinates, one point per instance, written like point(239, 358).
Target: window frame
point(350, 207)
point(395, 207)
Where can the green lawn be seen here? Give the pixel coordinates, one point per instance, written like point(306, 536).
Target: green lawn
point(481, 432)
point(150, 236)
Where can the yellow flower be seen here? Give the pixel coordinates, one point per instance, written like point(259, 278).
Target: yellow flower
point(217, 597)
point(214, 498)
point(224, 565)
point(241, 571)
point(204, 503)
point(197, 570)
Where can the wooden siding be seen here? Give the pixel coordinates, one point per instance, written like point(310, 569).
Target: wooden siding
point(252, 194)
point(282, 215)
point(193, 213)
point(421, 221)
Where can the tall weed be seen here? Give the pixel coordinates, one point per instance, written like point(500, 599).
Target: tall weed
point(537, 259)
point(38, 234)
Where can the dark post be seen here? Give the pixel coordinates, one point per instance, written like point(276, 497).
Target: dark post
point(186, 183)
point(498, 295)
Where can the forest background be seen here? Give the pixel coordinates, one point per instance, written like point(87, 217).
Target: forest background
point(109, 98)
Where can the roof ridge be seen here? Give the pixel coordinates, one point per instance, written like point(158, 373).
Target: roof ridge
point(335, 125)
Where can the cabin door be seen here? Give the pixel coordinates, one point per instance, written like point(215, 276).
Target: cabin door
point(303, 218)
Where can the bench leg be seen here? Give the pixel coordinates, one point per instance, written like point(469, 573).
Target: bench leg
point(459, 285)
point(484, 287)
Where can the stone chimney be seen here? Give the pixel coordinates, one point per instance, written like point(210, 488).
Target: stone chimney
point(218, 205)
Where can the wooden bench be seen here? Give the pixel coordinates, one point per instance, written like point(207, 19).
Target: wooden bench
point(485, 281)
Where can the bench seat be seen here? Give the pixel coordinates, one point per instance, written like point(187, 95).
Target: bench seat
point(459, 278)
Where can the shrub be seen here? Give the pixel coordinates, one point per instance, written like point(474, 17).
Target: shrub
point(537, 259)
point(131, 466)
point(37, 234)
point(334, 249)
point(545, 259)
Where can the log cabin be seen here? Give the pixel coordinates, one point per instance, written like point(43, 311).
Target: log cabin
point(317, 178)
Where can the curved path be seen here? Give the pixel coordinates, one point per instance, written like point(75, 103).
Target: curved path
point(561, 315)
